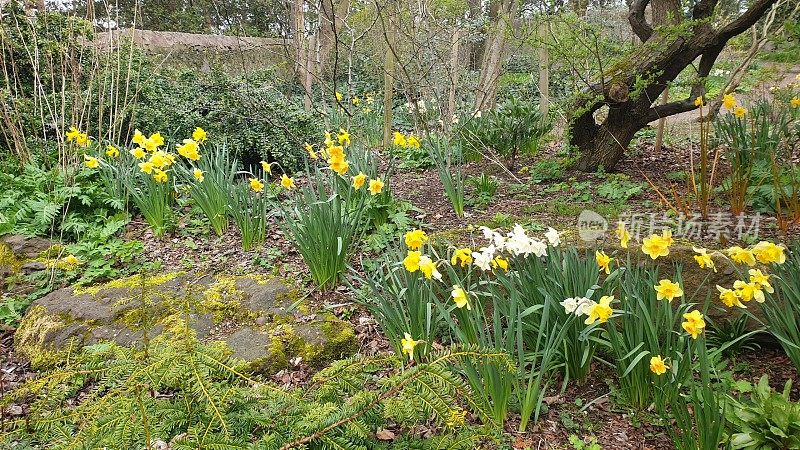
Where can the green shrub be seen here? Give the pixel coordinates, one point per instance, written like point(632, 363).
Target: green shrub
point(247, 114)
point(513, 128)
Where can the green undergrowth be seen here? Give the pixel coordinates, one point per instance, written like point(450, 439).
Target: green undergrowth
point(192, 394)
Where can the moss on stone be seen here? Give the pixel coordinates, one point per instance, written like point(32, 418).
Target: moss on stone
point(129, 282)
point(30, 336)
point(8, 259)
point(222, 298)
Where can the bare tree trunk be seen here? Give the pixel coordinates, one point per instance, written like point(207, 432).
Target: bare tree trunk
point(301, 49)
point(388, 83)
point(544, 71)
point(475, 49)
point(579, 7)
point(454, 77)
point(331, 15)
point(310, 62)
point(493, 58)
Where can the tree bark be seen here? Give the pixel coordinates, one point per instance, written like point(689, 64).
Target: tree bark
point(475, 51)
point(332, 13)
point(492, 65)
point(544, 71)
point(661, 59)
point(388, 82)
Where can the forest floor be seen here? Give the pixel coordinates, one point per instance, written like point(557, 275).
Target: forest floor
point(583, 410)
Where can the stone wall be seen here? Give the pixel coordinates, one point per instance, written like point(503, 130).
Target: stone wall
point(233, 54)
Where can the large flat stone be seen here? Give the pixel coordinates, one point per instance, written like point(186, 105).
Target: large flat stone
point(120, 311)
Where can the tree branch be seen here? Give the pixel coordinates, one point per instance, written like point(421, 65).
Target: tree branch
point(704, 9)
point(743, 22)
point(638, 22)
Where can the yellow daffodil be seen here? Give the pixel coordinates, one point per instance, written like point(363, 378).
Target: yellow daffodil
point(739, 112)
point(146, 167)
point(80, 139)
point(655, 246)
point(266, 167)
point(328, 140)
point(699, 101)
point(112, 152)
point(500, 262)
point(336, 152)
point(355, 101)
point(310, 149)
point(411, 261)
point(343, 137)
point(704, 260)
point(160, 176)
point(370, 99)
point(728, 101)
point(359, 180)
point(623, 235)
point(71, 260)
point(462, 256)
point(287, 182)
point(256, 185)
point(72, 134)
point(428, 268)
point(415, 239)
point(138, 138)
point(657, 365)
point(412, 142)
point(795, 102)
point(160, 159)
point(666, 236)
point(339, 96)
point(740, 255)
point(694, 324)
point(189, 150)
point(729, 297)
point(408, 344)
point(604, 261)
point(157, 139)
point(460, 297)
point(600, 311)
point(399, 140)
point(758, 277)
point(767, 253)
point(375, 186)
point(91, 162)
point(198, 175)
point(199, 135)
point(340, 166)
point(138, 153)
point(667, 290)
point(749, 291)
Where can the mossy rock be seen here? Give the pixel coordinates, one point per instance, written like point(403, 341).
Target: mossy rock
point(127, 309)
point(268, 349)
point(18, 251)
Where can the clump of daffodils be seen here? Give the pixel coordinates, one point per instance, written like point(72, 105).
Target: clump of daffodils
point(407, 141)
point(335, 151)
point(149, 153)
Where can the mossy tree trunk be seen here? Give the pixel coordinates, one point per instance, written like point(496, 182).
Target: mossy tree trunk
point(663, 55)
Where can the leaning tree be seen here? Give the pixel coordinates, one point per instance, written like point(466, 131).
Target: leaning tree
point(631, 87)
